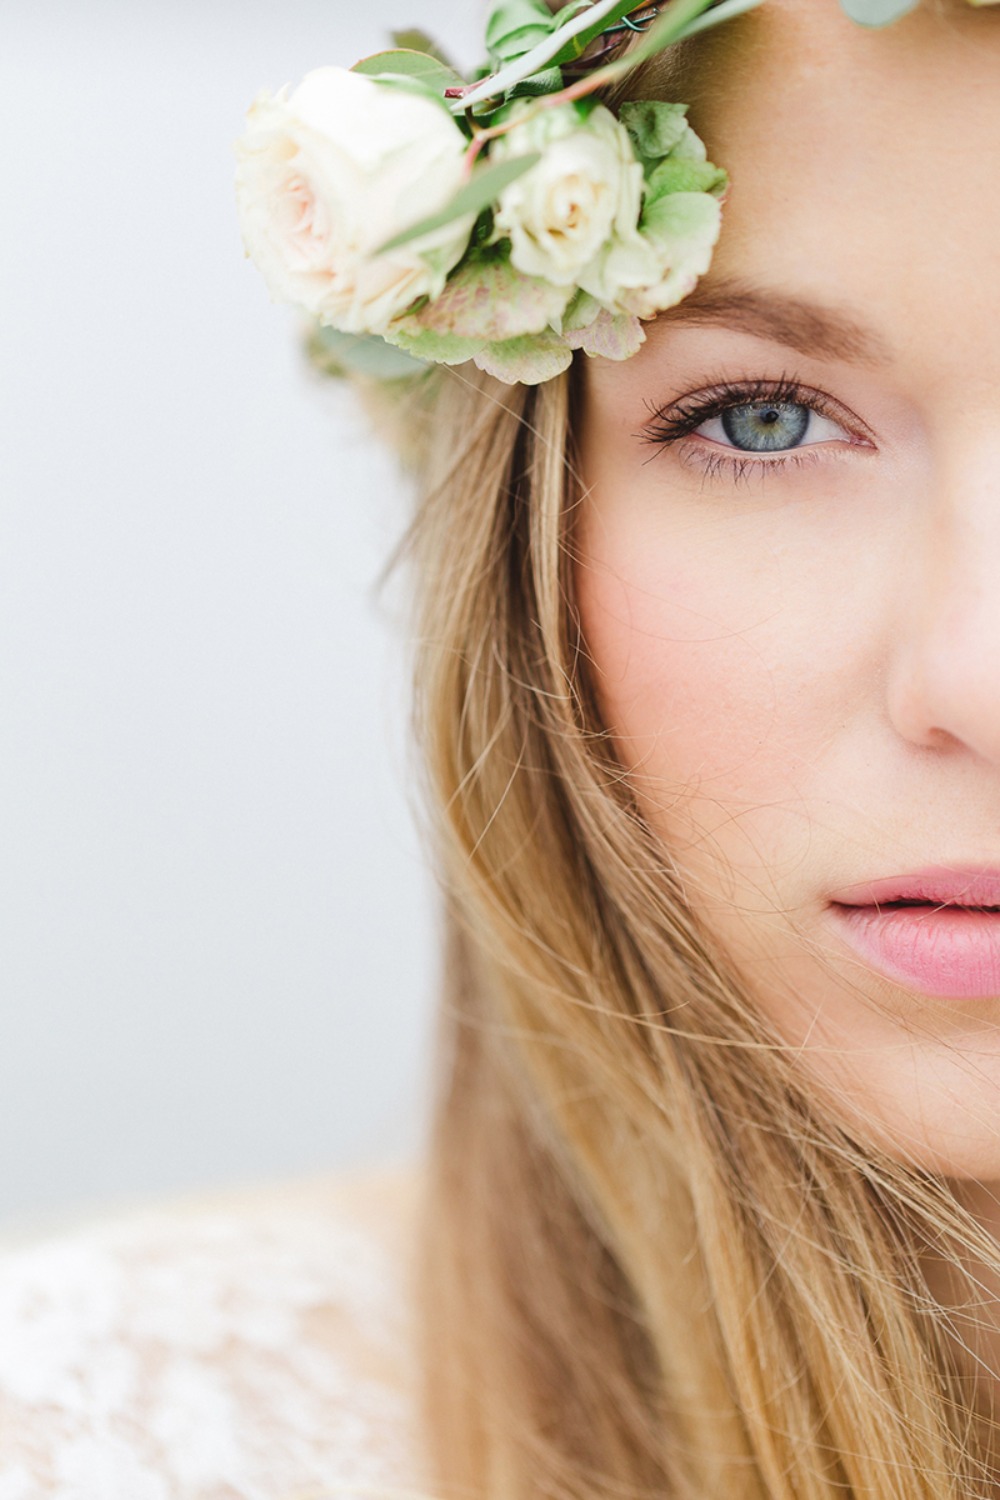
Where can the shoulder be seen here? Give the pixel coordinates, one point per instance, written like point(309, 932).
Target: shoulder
point(239, 1344)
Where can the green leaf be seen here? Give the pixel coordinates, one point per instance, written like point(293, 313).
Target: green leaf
point(416, 66)
point(577, 44)
point(541, 56)
point(550, 81)
point(514, 15)
point(483, 189)
point(654, 126)
point(337, 353)
point(571, 11)
point(682, 175)
point(515, 26)
point(877, 12)
point(517, 44)
point(680, 18)
point(413, 40)
point(421, 91)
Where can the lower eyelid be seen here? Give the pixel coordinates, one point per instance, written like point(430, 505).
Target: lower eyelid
point(734, 465)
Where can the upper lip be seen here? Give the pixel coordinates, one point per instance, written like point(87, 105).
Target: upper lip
point(938, 885)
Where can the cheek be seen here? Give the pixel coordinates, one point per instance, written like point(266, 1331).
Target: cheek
point(702, 683)
point(730, 678)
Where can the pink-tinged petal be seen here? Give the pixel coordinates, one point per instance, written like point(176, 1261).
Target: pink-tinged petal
point(489, 299)
point(608, 336)
point(526, 361)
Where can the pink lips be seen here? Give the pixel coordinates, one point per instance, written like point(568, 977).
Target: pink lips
point(946, 946)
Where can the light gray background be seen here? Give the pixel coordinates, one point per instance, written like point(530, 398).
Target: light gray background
point(217, 933)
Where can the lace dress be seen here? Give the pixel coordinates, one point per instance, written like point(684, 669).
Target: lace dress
point(243, 1346)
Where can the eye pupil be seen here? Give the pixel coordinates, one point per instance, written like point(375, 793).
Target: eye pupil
point(766, 426)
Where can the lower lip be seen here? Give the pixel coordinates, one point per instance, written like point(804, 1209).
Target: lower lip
point(943, 951)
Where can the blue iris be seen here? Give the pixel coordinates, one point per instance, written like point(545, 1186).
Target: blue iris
point(766, 426)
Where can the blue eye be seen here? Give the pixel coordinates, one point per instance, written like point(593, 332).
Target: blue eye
point(769, 427)
point(766, 427)
point(751, 425)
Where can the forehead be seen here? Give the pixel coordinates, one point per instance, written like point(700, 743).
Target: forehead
point(865, 164)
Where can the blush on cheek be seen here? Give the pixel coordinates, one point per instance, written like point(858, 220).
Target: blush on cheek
point(687, 686)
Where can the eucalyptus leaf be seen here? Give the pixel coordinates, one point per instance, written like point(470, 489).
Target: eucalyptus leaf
point(570, 11)
point(337, 353)
point(483, 189)
point(877, 12)
point(416, 66)
point(680, 18)
point(581, 41)
point(550, 81)
point(515, 26)
point(517, 43)
point(511, 15)
point(496, 85)
point(413, 40)
point(419, 88)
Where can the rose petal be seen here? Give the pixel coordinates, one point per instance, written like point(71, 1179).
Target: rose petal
point(608, 336)
point(489, 299)
point(527, 361)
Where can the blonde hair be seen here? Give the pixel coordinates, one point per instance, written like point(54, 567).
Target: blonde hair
point(652, 1262)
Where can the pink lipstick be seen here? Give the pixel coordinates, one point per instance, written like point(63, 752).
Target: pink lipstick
point(936, 931)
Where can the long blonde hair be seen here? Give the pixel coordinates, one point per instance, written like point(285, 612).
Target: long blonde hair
point(652, 1262)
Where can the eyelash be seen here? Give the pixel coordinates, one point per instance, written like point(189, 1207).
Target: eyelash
point(672, 423)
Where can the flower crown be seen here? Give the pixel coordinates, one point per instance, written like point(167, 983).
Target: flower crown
point(511, 219)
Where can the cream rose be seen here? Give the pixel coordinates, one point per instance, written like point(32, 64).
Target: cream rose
point(653, 266)
point(586, 189)
point(330, 172)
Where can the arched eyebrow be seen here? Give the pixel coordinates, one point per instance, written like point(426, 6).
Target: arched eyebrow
point(824, 332)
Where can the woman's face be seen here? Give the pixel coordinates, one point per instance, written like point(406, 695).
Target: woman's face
point(793, 605)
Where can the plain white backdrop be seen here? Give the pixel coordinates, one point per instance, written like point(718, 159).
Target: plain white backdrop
point(218, 936)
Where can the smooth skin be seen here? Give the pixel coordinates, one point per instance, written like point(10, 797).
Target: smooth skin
point(800, 660)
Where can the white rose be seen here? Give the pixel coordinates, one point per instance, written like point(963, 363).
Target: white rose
point(586, 188)
point(332, 171)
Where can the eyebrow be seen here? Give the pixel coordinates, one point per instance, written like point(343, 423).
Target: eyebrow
point(802, 325)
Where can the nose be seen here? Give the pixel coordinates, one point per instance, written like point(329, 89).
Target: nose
point(944, 675)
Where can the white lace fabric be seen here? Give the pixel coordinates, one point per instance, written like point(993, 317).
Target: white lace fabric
point(252, 1346)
